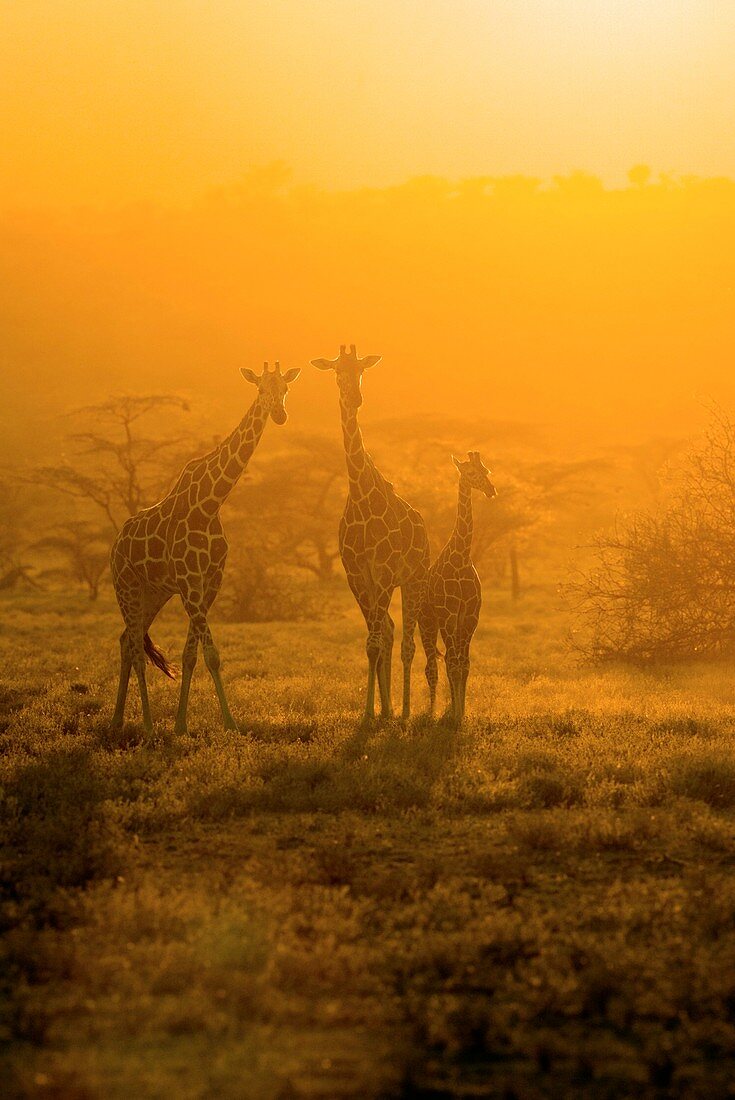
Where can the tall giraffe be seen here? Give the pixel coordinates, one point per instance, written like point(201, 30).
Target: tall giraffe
point(382, 542)
point(178, 545)
point(454, 592)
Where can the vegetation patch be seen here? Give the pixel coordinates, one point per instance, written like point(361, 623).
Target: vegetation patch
point(539, 904)
point(706, 776)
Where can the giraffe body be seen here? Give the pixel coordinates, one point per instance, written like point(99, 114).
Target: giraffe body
point(178, 546)
point(454, 592)
point(382, 543)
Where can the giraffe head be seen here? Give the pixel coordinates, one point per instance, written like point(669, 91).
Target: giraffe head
point(348, 368)
point(272, 388)
point(473, 473)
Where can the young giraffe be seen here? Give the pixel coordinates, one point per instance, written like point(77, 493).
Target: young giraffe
point(454, 593)
point(382, 543)
point(178, 545)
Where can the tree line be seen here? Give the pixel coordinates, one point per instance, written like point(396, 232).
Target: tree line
point(123, 454)
point(657, 583)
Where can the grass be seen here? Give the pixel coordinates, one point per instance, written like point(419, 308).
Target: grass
point(542, 904)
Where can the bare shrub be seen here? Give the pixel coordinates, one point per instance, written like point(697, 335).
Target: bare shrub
point(115, 467)
point(84, 550)
point(254, 591)
point(662, 582)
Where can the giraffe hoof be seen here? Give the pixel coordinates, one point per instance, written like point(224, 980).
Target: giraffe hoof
point(231, 724)
point(181, 727)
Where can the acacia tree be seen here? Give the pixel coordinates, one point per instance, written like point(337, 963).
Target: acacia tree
point(11, 509)
point(293, 507)
point(115, 463)
point(84, 548)
point(13, 539)
point(662, 583)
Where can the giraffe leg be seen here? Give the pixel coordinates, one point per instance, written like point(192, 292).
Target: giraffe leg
point(362, 593)
point(126, 664)
point(129, 595)
point(464, 671)
point(374, 648)
point(412, 597)
point(212, 661)
point(429, 629)
point(132, 604)
point(139, 662)
point(199, 632)
point(385, 661)
point(188, 662)
point(454, 678)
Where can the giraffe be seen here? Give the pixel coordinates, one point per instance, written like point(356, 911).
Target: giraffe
point(382, 543)
point(454, 593)
point(178, 546)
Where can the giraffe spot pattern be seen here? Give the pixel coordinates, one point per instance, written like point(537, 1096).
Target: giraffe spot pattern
point(178, 546)
point(454, 597)
point(382, 543)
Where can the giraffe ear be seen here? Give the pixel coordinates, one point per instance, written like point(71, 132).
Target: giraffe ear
point(291, 375)
point(456, 462)
point(324, 364)
point(370, 361)
point(249, 375)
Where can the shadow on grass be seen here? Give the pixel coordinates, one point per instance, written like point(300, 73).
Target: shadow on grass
point(384, 769)
point(288, 731)
point(13, 698)
point(55, 833)
point(56, 839)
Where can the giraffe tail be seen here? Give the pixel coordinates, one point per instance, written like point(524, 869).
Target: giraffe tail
point(156, 657)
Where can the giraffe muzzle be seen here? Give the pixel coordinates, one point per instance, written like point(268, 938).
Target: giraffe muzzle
point(279, 415)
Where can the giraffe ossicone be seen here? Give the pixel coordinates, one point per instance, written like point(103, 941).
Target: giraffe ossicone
point(178, 546)
point(382, 543)
point(454, 592)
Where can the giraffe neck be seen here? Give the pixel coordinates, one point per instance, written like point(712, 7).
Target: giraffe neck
point(358, 460)
point(226, 463)
point(462, 534)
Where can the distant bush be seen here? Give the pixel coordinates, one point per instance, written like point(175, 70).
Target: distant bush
point(255, 592)
point(662, 584)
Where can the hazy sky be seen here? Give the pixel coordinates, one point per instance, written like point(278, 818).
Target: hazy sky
point(109, 100)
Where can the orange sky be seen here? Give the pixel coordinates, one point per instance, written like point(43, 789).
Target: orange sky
point(112, 100)
point(571, 302)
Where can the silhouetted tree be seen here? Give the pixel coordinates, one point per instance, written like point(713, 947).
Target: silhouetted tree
point(16, 576)
point(85, 550)
point(116, 465)
point(294, 506)
point(256, 588)
point(639, 175)
point(12, 508)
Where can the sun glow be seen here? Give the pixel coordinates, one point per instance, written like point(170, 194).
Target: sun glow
point(452, 111)
point(149, 99)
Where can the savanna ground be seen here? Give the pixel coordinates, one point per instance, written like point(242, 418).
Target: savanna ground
point(542, 904)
